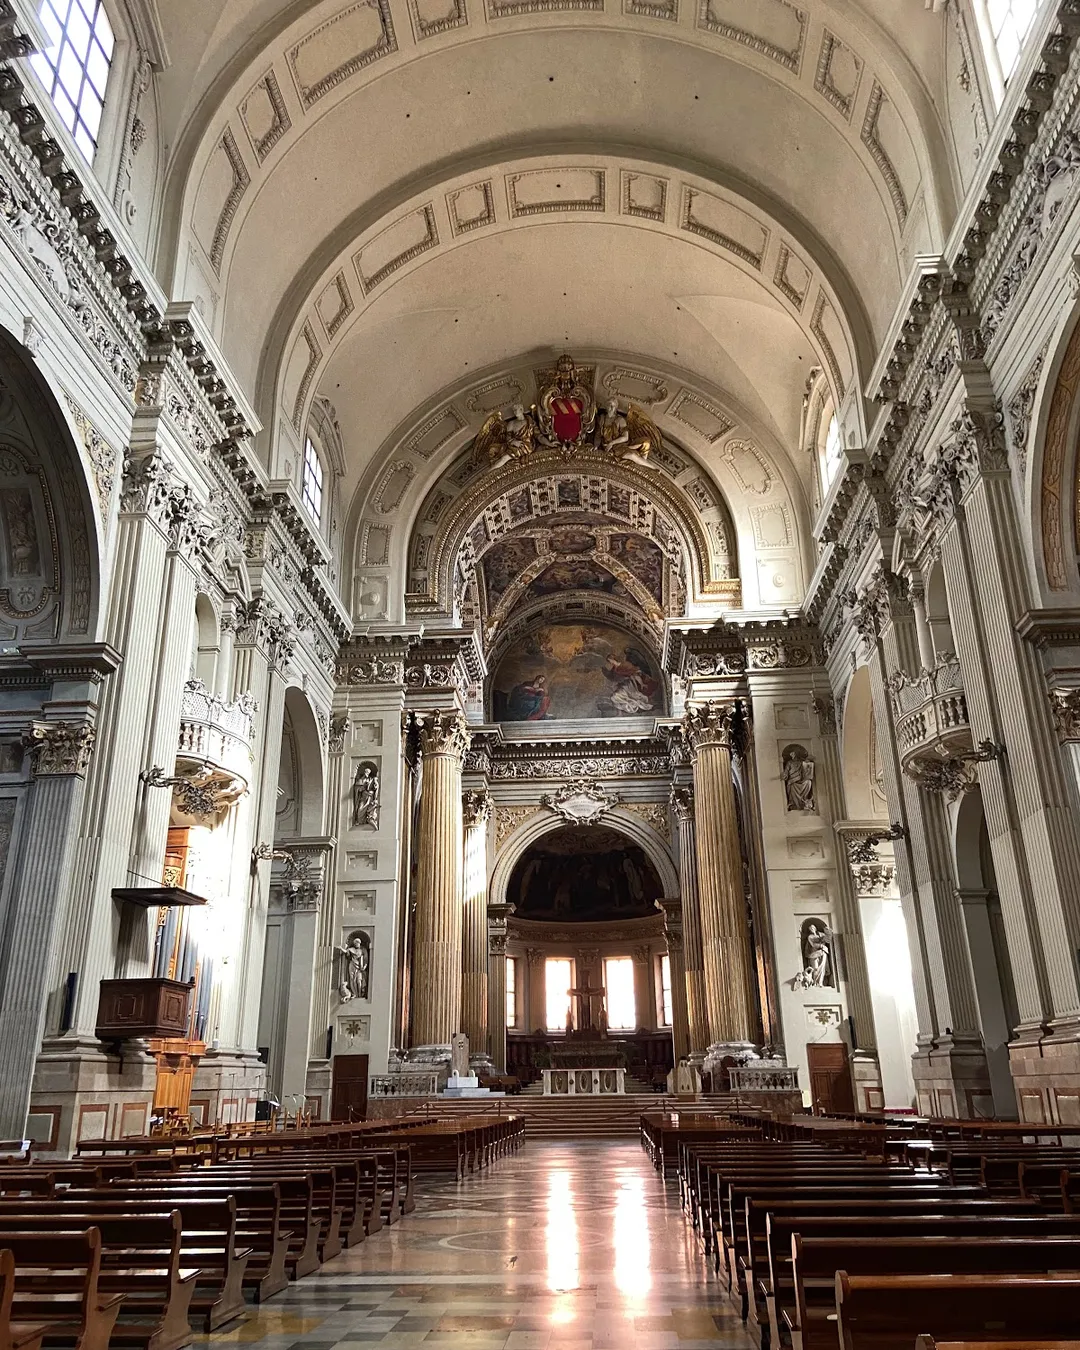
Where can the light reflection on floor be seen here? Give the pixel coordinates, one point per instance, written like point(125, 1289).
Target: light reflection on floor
point(569, 1246)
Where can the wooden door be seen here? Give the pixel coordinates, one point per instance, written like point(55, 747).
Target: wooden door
point(830, 1077)
point(348, 1087)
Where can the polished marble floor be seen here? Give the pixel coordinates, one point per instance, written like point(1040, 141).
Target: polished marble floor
point(575, 1246)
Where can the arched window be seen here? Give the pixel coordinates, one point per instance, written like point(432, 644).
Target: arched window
point(74, 68)
point(311, 486)
point(832, 453)
point(1005, 24)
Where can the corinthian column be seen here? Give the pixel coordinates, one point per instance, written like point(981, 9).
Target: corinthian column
point(474, 971)
point(60, 755)
point(697, 1016)
point(728, 965)
point(436, 977)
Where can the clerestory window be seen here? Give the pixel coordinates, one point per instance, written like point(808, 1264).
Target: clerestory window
point(311, 487)
point(1005, 26)
point(74, 68)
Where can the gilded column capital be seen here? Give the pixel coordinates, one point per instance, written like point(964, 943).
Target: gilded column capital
point(443, 733)
point(476, 808)
point(682, 803)
point(59, 748)
point(711, 724)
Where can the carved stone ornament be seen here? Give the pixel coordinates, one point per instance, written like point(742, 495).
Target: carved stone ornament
point(711, 724)
point(59, 747)
point(582, 801)
point(339, 729)
point(824, 705)
point(146, 486)
point(682, 803)
point(1066, 707)
point(203, 794)
point(475, 808)
point(443, 733)
point(863, 850)
point(354, 968)
point(955, 775)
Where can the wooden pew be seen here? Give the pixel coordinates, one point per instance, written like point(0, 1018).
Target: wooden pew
point(140, 1260)
point(56, 1284)
point(209, 1241)
point(15, 1335)
point(887, 1312)
point(271, 1213)
point(929, 1343)
point(805, 1295)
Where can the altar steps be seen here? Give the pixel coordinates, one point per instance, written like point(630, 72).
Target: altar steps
point(614, 1117)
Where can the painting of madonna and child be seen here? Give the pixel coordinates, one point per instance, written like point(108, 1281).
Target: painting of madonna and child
point(573, 671)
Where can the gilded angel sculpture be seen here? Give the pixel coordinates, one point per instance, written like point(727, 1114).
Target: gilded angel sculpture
point(502, 439)
point(629, 435)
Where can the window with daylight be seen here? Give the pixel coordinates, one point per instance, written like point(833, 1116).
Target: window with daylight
point(834, 450)
point(311, 488)
point(665, 991)
point(74, 68)
point(558, 981)
point(1005, 25)
point(619, 985)
point(511, 992)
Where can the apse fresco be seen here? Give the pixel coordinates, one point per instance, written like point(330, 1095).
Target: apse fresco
point(584, 874)
point(571, 672)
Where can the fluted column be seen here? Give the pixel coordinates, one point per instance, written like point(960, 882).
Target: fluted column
point(436, 982)
point(697, 1017)
point(61, 752)
point(329, 920)
point(497, 916)
point(673, 933)
point(476, 807)
point(728, 963)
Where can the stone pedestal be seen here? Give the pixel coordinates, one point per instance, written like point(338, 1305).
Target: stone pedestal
point(1046, 1071)
point(951, 1079)
point(82, 1092)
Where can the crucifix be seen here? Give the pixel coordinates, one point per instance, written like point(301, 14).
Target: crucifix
point(584, 997)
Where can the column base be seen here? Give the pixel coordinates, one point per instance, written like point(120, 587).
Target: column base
point(866, 1081)
point(436, 1057)
point(481, 1065)
point(952, 1079)
point(318, 1087)
point(83, 1091)
point(1045, 1068)
point(227, 1085)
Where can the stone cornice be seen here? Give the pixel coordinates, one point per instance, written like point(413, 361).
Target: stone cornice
point(1045, 628)
point(539, 930)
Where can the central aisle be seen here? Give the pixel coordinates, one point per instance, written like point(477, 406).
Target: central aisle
point(578, 1246)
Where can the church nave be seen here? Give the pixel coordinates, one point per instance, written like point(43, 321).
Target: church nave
point(579, 1246)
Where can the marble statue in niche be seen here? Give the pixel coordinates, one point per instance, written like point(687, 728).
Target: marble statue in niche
point(355, 966)
point(818, 968)
point(798, 770)
point(365, 794)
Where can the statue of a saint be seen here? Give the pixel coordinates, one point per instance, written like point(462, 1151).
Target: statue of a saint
point(355, 967)
point(365, 795)
point(798, 770)
point(817, 971)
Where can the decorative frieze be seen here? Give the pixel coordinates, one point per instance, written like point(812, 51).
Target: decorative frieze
point(508, 819)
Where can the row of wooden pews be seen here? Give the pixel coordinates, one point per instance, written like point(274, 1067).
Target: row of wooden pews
point(828, 1239)
point(147, 1249)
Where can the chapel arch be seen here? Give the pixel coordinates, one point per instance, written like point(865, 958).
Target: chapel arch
point(546, 822)
point(49, 547)
point(301, 786)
